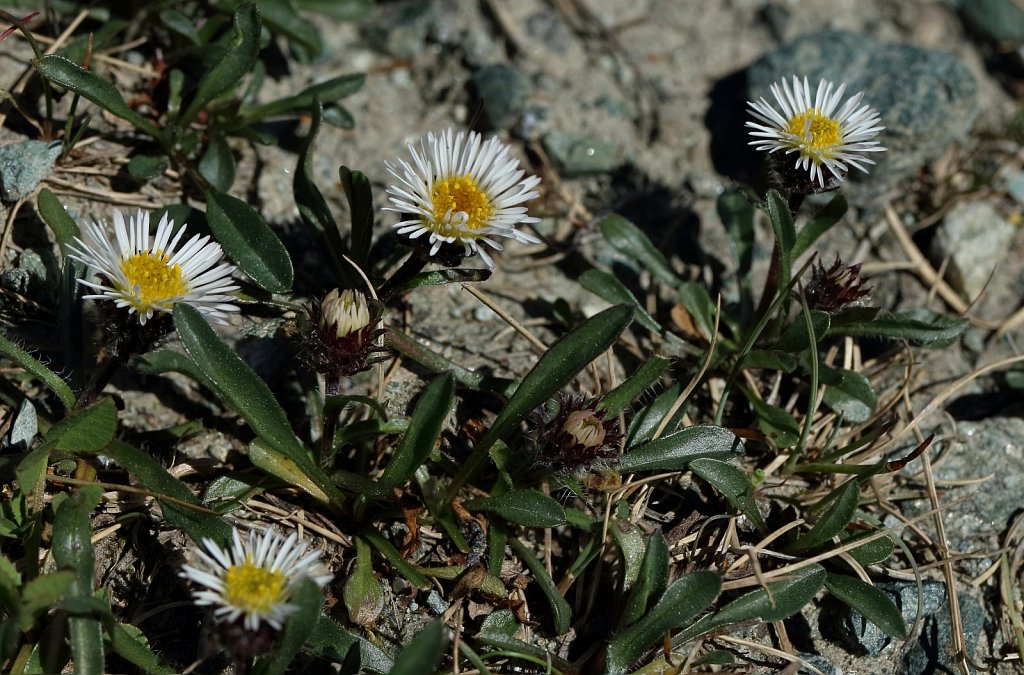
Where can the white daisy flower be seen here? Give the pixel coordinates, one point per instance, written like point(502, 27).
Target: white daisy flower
point(820, 134)
point(148, 276)
point(255, 578)
point(345, 312)
point(462, 190)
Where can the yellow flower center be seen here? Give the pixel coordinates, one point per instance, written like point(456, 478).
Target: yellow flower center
point(819, 131)
point(252, 588)
point(157, 281)
point(461, 194)
point(585, 427)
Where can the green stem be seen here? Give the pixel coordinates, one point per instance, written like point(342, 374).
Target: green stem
point(812, 395)
point(752, 337)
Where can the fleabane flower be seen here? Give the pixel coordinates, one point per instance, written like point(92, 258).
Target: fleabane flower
point(462, 190)
point(823, 134)
point(344, 313)
point(255, 579)
point(343, 333)
point(149, 275)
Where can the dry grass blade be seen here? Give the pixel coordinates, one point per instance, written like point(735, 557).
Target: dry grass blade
point(941, 398)
point(488, 302)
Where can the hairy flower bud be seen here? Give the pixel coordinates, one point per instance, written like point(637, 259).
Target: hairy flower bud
point(340, 341)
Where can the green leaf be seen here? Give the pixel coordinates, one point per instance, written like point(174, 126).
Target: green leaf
point(364, 598)
point(442, 277)
point(249, 241)
point(145, 167)
point(874, 604)
point(327, 91)
point(10, 583)
point(313, 208)
point(360, 205)
point(694, 297)
point(309, 600)
point(651, 581)
point(331, 641)
point(131, 645)
point(682, 601)
point(737, 214)
point(784, 231)
point(629, 240)
point(424, 431)
point(821, 223)
point(342, 10)
point(869, 553)
point(226, 493)
point(87, 429)
point(559, 364)
point(782, 600)
point(561, 612)
point(153, 476)
point(42, 593)
point(499, 630)
point(281, 18)
point(338, 116)
point(608, 287)
point(391, 554)
point(919, 327)
point(161, 361)
point(616, 400)
point(735, 486)
point(522, 507)
point(24, 360)
point(491, 584)
point(423, 652)
point(217, 165)
point(243, 389)
point(281, 466)
point(770, 359)
point(775, 423)
point(852, 397)
point(643, 426)
point(630, 541)
point(795, 338)
point(834, 520)
point(92, 87)
point(676, 451)
point(235, 381)
point(72, 548)
point(228, 70)
point(53, 213)
point(181, 24)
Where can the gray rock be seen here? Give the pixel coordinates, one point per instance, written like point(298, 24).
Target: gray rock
point(23, 430)
point(975, 238)
point(927, 99)
point(1013, 179)
point(994, 448)
point(819, 662)
point(401, 28)
point(17, 280)
point(23, 165)
point(502, 91)
point(581, 155)
point(931, 653)
point(994, 20)
point(436, 603)
point(776, 17)
point(548, 29)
